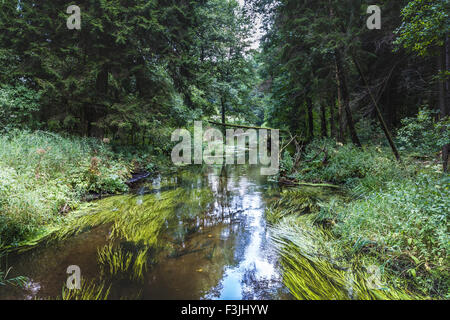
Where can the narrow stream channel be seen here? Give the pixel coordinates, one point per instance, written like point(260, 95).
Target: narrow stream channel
point(217, 247)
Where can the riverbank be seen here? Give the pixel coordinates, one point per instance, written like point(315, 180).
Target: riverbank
point(45, 176)
point(393, 221)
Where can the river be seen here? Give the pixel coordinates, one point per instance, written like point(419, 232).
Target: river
point(208, 240)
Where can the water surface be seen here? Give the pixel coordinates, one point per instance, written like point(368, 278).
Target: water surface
point(210, 242)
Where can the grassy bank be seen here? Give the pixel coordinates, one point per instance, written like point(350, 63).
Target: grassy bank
point(45, 176)
point(395, 216)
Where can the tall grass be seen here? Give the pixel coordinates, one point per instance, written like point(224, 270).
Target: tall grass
point(405, 226)
point(316, 265)
point(44, 176)
point(397, 215)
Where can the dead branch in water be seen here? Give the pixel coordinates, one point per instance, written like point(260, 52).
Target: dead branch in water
point(292, 183)
point(242, 126)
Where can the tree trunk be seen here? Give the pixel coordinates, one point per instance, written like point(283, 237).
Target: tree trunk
point(223, 111)
point(332, 118)
point(337, 132)
point(443, 97)
point(340, 134)
point(386, 131)
point(309, 106)
point(323, 117)
point(102, 81)
point(346, 99)
point(245, 127)
point(222, 103)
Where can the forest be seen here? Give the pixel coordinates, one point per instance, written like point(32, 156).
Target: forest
point(359, 208)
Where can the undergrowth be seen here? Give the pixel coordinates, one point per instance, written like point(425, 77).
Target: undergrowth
point(396, 214)
point(45, 176)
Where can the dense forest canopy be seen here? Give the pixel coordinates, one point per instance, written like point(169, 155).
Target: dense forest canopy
point(328, 63)
point(131, 66)
point(135, 65)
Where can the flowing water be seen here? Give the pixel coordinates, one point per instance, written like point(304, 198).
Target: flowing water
point(204, 233)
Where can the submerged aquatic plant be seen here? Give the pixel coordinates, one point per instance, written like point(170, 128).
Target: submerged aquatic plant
point(12, 281)
point(315, 265)
point(139, 222)
point(15, 281)
point(116, 261)
point(316, 268)
point(88, 291)
point(295, 202)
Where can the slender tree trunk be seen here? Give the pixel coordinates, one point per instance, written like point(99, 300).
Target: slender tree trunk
point(323, 116)
point(386, 131)
point(443, 97)
point(309, 106)
point(340, 134)
point(337, 132)
point(102, 81)
point(223, 111)
point(346, 99)
point(332, 118)
point(222, 103)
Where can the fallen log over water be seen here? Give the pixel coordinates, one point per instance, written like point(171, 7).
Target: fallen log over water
point(138, 177)
point(293, 183)
point(242, 126)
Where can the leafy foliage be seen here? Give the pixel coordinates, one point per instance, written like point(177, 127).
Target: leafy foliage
point(131, 67)
point(18, 106)
point(45, 175)
point(422, 134)
point(425, 25)
point(398, 215)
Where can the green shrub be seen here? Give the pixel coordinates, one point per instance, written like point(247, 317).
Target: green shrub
point(286, 163)
point(422, 134)
point(346, 164)
point(17, 106)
